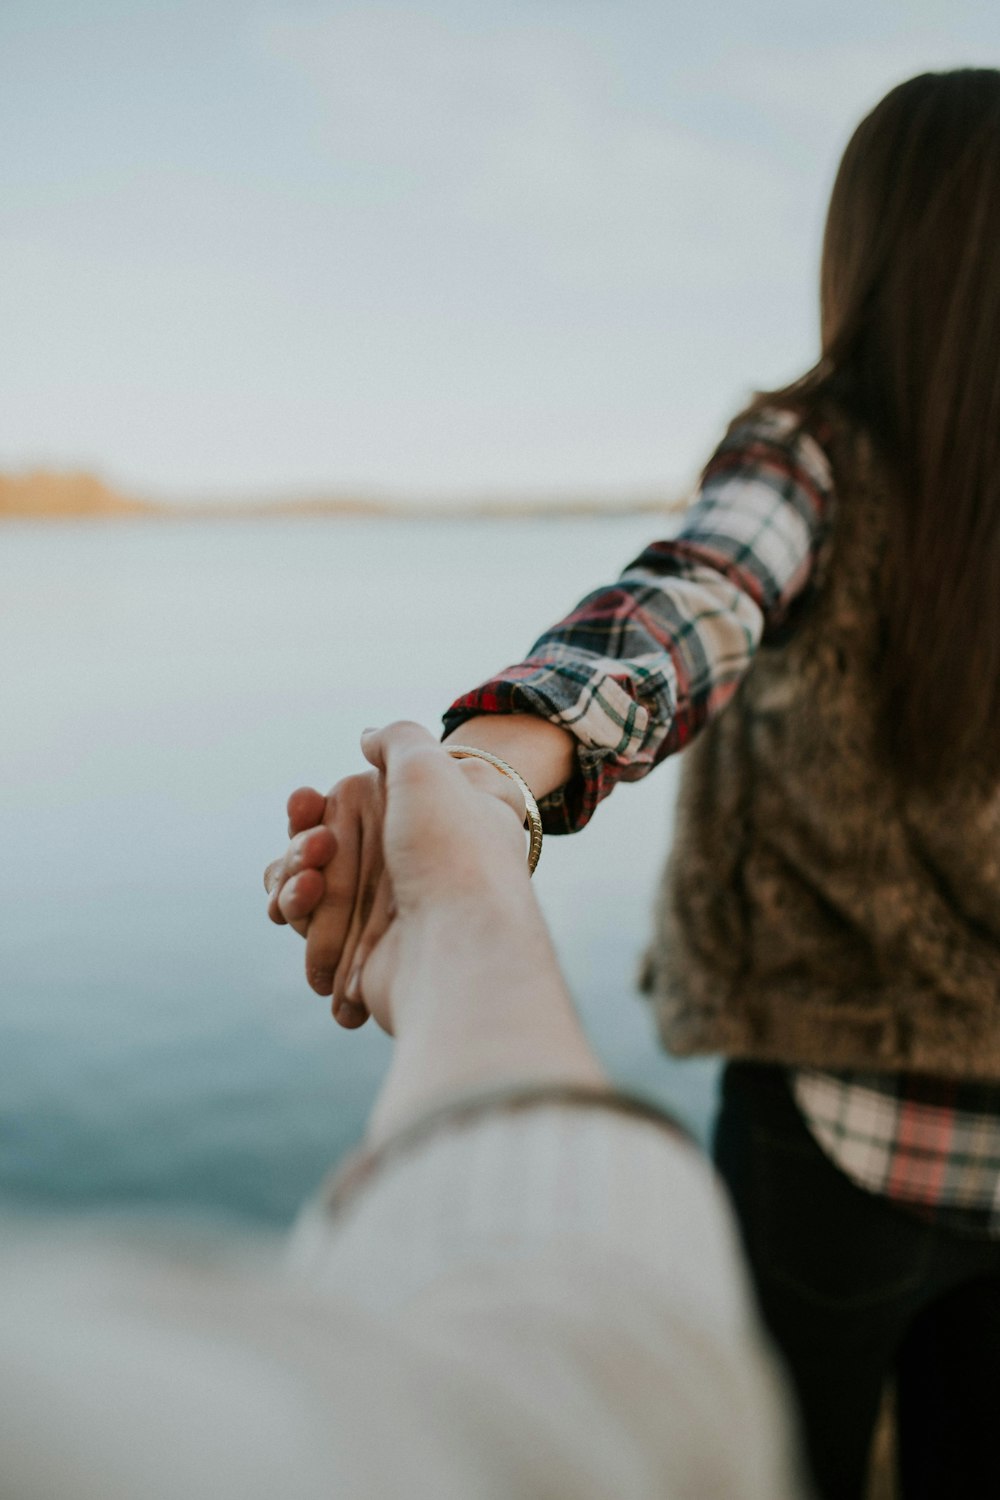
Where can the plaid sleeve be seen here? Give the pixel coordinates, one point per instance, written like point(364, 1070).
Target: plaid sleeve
point(639, 667)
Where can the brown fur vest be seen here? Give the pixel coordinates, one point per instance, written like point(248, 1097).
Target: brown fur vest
point(811, 911)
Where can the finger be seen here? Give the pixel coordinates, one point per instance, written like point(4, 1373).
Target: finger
point(418, 776)
point(310, 850)
point(375, 917)
point(347, 980)
point(386, 748)
point(349, 1014)
point(306, 808)
point(407, 750)
point(383, 909)
point(299, 896)
point(348, 1006)
point(331, 918)
point(351, 1017)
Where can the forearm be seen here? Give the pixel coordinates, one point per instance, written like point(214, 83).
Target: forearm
point(542, 752)
point(639, 667)
point(467, 1022)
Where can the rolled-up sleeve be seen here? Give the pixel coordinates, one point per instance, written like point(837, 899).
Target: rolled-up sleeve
point(641, 665)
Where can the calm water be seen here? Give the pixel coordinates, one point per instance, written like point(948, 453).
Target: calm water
point(163, 687)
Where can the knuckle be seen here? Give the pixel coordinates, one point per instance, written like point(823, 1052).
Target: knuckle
point(350, 793)
point(420, 767)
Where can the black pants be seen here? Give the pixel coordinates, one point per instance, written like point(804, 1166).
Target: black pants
point(853, 1290)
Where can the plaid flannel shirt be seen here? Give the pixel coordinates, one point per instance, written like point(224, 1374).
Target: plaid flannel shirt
point(638, 667)
point(641, 665)
point(931, 1144)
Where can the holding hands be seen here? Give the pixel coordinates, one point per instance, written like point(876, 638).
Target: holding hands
point(352, 862)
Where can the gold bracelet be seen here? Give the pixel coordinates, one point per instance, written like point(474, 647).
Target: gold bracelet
point(532, 817)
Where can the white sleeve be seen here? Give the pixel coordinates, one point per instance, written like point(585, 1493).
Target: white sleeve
point(580, 1271)
point(537, 1304)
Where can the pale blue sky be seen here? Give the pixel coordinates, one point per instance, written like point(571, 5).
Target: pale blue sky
point(431, 247)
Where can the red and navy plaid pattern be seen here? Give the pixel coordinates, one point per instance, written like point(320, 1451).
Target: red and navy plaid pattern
point(640, 666)
point(930, 1144)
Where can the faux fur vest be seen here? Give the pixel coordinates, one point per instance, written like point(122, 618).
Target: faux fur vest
point(812, 912)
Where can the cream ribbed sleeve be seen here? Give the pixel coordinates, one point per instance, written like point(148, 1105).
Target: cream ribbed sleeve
point(575, 1273)
point(542, 1303)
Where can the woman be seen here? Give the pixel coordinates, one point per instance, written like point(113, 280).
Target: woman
point(830, 917)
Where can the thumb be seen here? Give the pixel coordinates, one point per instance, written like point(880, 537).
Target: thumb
point(395, 747)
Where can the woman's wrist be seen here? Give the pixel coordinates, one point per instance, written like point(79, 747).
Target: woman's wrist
point(542, 752)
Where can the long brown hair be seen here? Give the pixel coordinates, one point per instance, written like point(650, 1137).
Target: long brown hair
point(910, 322)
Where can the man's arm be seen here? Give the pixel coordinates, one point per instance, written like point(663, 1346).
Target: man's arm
point(563, 1249)
point(527, 1286)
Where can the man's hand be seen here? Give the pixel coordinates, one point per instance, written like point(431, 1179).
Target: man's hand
point(456, 855)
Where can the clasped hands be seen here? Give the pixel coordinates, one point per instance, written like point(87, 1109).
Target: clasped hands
point(420, 830)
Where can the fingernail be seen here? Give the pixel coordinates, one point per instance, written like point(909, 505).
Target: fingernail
point(352, 990)
point(366, 732)
point(290, 889)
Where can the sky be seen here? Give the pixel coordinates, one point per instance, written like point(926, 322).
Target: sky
point(439, 249)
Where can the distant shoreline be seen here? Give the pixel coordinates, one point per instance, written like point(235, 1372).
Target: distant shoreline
point(54, 497)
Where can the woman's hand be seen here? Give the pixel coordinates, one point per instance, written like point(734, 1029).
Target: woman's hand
point(331, 885)
point(331, 888)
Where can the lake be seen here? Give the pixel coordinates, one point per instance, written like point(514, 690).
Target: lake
point(164, 686)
